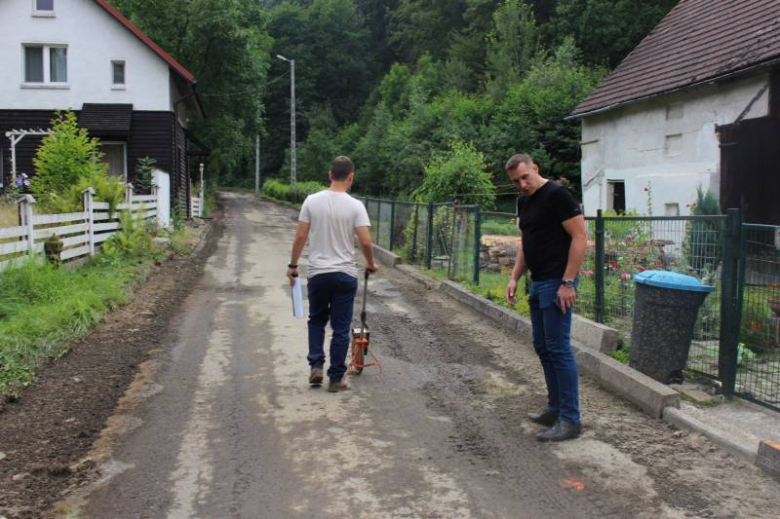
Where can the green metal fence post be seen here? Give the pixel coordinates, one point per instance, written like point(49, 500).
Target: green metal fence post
point(429, 237)
point(451, 253)
point(599, 267)
point(378, 221)
point(729, 333)
point(392, 225)
point(413, 259)
point(477, 244)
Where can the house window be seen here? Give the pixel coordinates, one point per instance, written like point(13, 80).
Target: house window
point(118, 73)
point(114, 154)
point(58, 61)
point(46, 64)
point(33, 64)
point(671, 209)
point(43, 7)
point(616, 196)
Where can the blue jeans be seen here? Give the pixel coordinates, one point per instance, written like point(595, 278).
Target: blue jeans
point(552, 342)
point(331, 297)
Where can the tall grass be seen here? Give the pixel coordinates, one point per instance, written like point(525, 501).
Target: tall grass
point(9, 213)
point(42, 308)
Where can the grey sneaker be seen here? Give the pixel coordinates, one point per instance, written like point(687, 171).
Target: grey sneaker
point(315, 377)
point(334, 386)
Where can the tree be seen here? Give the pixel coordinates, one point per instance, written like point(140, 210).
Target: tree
point(335, 66)
point(419, 27)
point(605, 30)
point(511, 45)
point(225, 44)
point(458, 175)
point(66, 156)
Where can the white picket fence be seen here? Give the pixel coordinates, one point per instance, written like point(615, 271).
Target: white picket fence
point(81, 232)
point(196, 206)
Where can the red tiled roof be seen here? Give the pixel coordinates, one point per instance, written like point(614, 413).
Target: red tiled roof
point(697, 42)
point(130, 26)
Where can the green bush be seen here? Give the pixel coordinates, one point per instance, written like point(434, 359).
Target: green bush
point(280, 191)
point(458, 174)
point(143, 175)
point(66, 157)
point(133, 240)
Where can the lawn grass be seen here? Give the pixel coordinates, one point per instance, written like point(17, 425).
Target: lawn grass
point(43, 308)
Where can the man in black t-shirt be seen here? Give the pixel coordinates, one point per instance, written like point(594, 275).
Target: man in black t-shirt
point(553, 248)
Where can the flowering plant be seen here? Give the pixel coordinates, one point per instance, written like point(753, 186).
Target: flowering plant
point(22, 181)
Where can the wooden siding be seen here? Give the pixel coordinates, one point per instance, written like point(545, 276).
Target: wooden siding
point(151, 135)
point(25, 150)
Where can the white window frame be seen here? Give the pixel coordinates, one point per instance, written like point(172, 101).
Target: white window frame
point(118, 86)
point(43, 13)
point(47, 83)
point(124, 149)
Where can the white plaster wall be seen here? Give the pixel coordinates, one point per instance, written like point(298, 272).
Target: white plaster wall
point(94, 39)
point(629, 144)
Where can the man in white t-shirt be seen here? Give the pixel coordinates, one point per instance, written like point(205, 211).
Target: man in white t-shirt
point(329, 220)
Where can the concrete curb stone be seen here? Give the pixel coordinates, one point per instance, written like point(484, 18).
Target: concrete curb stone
point(682, 420)
point(768, 458)
point(386, 257)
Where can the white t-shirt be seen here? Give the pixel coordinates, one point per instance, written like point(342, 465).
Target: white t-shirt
point(333, 217)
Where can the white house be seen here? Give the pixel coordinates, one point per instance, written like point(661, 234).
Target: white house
point(85, 56)
point(697, 103)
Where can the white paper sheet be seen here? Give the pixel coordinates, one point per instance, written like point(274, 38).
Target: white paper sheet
point(297, 299)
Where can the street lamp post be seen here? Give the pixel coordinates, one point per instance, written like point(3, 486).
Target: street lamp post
point(293, 154)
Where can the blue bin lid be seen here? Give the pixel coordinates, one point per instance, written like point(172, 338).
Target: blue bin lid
point(672, 280)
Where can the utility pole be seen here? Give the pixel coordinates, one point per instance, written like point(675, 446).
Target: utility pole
point(293, 154)
point(257, 163)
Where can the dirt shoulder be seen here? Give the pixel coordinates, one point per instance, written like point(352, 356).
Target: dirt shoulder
point(46, 432)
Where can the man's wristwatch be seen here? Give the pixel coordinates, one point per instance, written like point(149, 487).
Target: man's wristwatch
point(292, 266)
point(568, 283)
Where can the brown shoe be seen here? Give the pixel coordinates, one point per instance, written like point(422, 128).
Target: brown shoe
point(315, 377)
point(334, 386)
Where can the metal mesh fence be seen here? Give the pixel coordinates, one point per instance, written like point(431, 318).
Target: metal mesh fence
point(442, 237)
point(468, 245)
point(758, 368)
point(692, 246)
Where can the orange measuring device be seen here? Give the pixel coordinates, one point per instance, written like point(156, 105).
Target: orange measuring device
point(360, 340)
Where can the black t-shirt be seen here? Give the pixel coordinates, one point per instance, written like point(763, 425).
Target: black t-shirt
point(545, 242)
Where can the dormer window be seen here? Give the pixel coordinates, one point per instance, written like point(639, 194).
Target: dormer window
point(43, 7)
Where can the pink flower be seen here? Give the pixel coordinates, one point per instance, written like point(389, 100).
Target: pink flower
point(625, 276)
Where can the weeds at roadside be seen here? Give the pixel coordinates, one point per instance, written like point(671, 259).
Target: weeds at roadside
point(44, 308)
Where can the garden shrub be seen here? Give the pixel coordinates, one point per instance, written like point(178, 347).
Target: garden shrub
point(280, 191)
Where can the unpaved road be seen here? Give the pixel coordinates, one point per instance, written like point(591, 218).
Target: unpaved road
point(224, 425)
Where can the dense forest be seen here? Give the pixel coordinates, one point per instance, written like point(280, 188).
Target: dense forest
point(409, 88)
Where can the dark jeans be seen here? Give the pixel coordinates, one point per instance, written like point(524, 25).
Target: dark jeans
point(331, 297)
point(552, 342)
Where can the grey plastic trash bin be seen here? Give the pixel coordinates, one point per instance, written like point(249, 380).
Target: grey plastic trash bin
point(666, 306)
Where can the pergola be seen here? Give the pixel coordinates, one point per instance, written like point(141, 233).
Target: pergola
point(16, 136)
